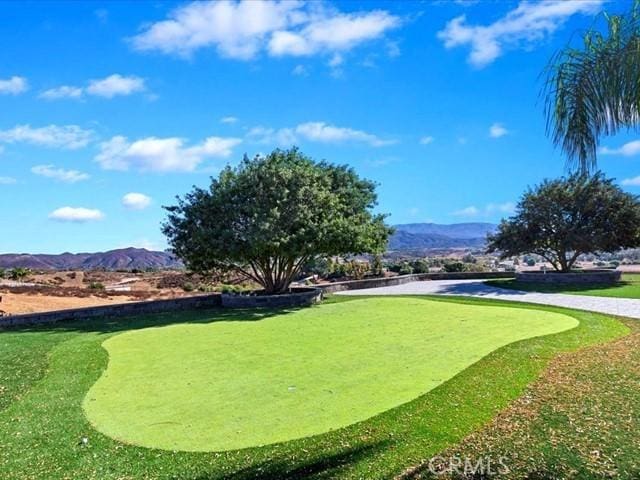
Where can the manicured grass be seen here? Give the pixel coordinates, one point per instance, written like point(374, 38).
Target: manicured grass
point(42, 425)
point(231, 385)
point(629, 287)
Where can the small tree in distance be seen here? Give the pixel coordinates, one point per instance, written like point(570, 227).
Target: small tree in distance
point(564, 218)
point(266, 218)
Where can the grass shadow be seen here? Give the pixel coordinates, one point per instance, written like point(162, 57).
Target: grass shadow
point(324, 466)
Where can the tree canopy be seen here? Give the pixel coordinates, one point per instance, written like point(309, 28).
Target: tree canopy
point(594, 90)
point(564, 218)
point(269, 216)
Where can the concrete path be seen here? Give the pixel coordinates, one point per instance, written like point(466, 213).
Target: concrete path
point(625, 307)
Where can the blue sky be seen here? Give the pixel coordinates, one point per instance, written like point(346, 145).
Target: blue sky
point(109, 110)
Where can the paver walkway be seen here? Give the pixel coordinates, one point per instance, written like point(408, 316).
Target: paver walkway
point(625, 307)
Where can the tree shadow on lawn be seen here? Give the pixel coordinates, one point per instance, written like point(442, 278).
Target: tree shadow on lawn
point(324, 466)
point(113, 324)
point(515, 287)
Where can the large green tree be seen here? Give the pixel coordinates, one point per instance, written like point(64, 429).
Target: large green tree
point(564, 218)
point(594, 90)
point(269, 216)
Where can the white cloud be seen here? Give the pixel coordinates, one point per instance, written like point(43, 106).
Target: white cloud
point(320, 132)
point(70, 137)
point(497, 130)
point(13, 86)
point(7, 180)
point(76, 214)
point(136, 201)
point(228, 119)
point(161, 154)
point(631, 182)
point(114, 85)
point(335, 33)
point(64, 91)
point(427, 140)
point(490, 209)
point(243, 29)
point(67, 176)
point(628, 149)
point(528, 23)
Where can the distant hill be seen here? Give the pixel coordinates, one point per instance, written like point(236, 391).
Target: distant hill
point(423, 236)
point(121, 259)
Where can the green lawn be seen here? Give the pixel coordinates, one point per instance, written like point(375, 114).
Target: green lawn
point(47, 372)
point(231, 385)
point(629, 287)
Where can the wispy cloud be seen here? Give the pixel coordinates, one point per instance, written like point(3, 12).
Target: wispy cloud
point(76, 214)
point(320, 132)
point(63, 91)
point(470, 211)
point(300, 71)
point(229, 119)
point(497, 130)
point(528, 23)
point(69, 137)
point(490, 209)
point(7, 181)
point(60, 174)
point(427, 140)
point(629, 149)
point(108, 87)
point(242, 30)
point(154, 154)
point(13, 86)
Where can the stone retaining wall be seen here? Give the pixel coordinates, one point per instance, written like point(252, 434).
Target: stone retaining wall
point(402, 279)
point(583, 277)
point(308, 297)
point(302, 298)
point(117, 310)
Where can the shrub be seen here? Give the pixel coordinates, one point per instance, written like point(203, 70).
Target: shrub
point(96, 286)
point(420, 266)
point(454, 267)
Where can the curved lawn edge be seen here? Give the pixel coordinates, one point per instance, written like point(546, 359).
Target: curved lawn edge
point(380, 447)
point(241, 372)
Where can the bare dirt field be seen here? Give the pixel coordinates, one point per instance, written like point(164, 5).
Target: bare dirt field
point(16, 303)
point(47, 291)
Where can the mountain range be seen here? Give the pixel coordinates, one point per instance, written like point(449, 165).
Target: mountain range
point(424, 236)
point(410, 236)
point(121, 259)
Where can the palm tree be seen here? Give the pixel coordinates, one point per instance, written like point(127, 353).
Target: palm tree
point(595, 90)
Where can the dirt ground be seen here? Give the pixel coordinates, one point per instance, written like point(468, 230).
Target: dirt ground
point(15, 303)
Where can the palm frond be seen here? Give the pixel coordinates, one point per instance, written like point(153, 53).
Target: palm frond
point(595, 90)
